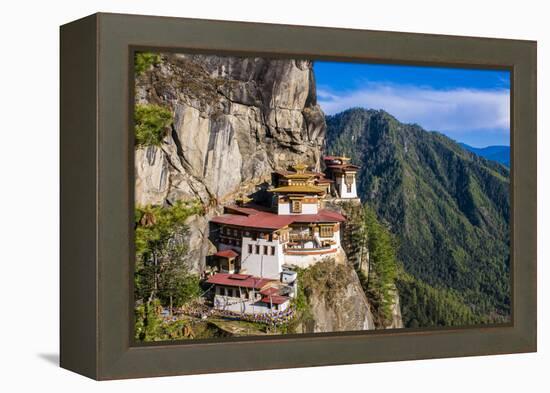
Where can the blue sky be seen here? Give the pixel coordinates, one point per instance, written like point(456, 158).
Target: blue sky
point(468, 105)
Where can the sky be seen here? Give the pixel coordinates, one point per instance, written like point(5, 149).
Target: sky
point(471, 106)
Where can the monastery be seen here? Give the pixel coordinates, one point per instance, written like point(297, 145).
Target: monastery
point(258, 246)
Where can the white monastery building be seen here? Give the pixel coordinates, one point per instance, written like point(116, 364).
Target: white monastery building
point(259, 245)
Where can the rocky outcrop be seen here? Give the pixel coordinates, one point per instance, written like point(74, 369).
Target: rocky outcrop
point(396, 318)
point(235, 121)
point(335, 298)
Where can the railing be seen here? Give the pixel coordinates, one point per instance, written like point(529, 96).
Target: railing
point(299, 237)
point(308, 251)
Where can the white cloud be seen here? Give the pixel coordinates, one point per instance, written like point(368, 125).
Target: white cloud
point(451, 111)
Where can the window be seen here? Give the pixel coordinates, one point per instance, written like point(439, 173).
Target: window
point(296, 206)
point(326, 231)
point(257, 249)
point(349, 182)
point(265, 250)
point(250, 248)
point(272, 250)
point(235, 233)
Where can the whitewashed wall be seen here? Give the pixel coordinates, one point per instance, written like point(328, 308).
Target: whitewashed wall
point(261, 265)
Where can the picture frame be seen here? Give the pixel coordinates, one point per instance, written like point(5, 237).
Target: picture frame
point(96, 266)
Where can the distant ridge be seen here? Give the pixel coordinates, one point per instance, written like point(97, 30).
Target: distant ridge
point(494, 153)
point(448, 208)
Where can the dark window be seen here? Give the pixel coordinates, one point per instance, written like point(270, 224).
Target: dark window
point(272, 250)
point(296, 206)
point(265, 250)
point(258, 250)
point(250, 248)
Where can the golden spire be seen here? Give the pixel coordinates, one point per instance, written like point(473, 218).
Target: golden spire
point(300, 168)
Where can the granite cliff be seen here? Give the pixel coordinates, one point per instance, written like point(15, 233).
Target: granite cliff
point(235, 121)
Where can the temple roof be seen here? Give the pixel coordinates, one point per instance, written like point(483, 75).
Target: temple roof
point(238, 280)
point(299, 189)
point(343, 166)
point(250, 217)
point(226, 254)
point(275, 299)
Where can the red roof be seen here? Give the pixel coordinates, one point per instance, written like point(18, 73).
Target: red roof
point(343, 166)
point(238, 280)
point(253, 218)
point(275, 299)
point(226, 254)
point(270, 291)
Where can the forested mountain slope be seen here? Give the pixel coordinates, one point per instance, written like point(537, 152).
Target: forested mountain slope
point(448, 208)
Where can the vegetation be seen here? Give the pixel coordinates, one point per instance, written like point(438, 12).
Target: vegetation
point(448, 209)
point(430, 307)
point(144, 61)
point(162, 277)
point(379, 281)
point(151, 124)
point(150, 326)
point(372, 250)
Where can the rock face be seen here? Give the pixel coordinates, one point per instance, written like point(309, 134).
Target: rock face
point(336, 299)
point(235, 121)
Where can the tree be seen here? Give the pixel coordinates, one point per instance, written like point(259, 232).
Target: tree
point(151, 124)
point(162, 271)
point(382, 272)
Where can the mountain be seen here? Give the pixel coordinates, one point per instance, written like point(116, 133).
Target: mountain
point(449, 210)
point(494, 153)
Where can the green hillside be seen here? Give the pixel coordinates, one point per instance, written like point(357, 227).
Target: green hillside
point(448, 208)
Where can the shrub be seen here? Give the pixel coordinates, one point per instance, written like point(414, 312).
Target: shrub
point(151, 124)
point(144, 61)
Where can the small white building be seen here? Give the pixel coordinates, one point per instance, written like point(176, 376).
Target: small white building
point(344, 176)
point(247, 294)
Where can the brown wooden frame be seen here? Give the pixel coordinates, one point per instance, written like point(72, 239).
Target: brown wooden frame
point(97, 195)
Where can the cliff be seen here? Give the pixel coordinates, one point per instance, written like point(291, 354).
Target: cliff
point(235, 121)
point(335, 299)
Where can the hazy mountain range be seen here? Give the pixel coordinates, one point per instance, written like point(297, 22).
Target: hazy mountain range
point(495, 153)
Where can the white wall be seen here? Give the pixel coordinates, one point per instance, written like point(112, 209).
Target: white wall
point(261, 265)
point(343, 190)
point(305, 261)
point(307, 208)
point(245, 306)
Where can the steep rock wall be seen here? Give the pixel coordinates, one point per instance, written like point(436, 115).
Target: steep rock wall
point(235, 121)
point(336, 299)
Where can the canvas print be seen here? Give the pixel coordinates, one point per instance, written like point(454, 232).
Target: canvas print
point(289, 196)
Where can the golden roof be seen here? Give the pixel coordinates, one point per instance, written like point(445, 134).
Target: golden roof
point(299, 168)
point(305, 175)
point(299, 189)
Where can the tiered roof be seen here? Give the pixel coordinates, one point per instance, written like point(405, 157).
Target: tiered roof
point(339, 162)
point(298, 189)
